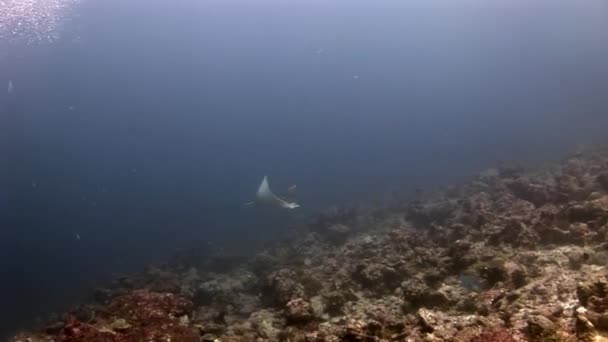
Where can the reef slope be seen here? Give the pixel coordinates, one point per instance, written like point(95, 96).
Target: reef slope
point(513, 255)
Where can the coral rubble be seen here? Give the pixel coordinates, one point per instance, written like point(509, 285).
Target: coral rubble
point(513, 255)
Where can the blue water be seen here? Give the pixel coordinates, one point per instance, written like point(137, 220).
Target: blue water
point(147, 126)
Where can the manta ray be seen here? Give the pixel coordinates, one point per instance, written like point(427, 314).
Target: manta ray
point(265, 197)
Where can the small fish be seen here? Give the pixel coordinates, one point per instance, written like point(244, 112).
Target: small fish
point(319, 51)
point(11, 87)
point(71, 108)
point(355, 77)
point(77, 236)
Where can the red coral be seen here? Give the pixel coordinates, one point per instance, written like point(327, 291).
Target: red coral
point(162, 333)
point(142, 306)
point(151, 317)
point(76, 331)
point(494, 335)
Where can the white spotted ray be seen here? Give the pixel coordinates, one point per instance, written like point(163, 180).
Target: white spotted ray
point(265, 197)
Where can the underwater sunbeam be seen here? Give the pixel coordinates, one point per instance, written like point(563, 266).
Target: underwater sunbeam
point(33, 21)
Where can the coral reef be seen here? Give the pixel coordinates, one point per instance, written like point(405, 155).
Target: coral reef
point(139, 315)
point(513, 255)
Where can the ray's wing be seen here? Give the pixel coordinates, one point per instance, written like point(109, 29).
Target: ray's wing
point(266, 196)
